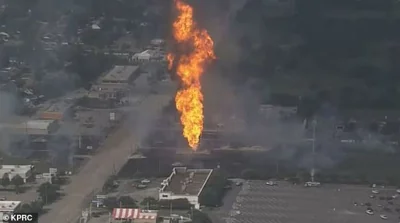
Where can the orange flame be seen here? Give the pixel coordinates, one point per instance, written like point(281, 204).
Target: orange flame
point(189, 68)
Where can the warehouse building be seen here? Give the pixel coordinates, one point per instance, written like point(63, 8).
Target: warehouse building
point(116, 84)
point(120, 75)
point(185, 183)
point(24, 171)
point(34, 127)
point(108, 91)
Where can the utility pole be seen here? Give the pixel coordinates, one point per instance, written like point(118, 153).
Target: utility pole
point(314, 123)
point(46, 193)
point(90, 210)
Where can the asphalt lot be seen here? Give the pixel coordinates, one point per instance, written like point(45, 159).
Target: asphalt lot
point(27, 196)
point(257, 202)
point(126, 188)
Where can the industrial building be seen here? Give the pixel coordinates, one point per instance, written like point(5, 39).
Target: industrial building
point(34, 127)
point(185, 183)
point(8, 207)
point(135, 215)
point(108, 91)
point(24, 171)
point(120, 75)
point(58, 111)
point(275, 112)
point(115, 85)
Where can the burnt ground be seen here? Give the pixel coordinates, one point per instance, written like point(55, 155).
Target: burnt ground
point(165, 146)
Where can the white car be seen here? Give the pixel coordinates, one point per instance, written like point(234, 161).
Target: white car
point(398, 191)
point(145, 181)
point(375, 191)
point(312, 184)
point(370, 212)
point(271, 183)
point(384, 217)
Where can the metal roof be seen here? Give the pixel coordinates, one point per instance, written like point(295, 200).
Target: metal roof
point(8, 206)
point(133, 213)
point(120, 73)
point(37, 124)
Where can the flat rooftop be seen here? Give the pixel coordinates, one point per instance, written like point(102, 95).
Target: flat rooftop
point(120, 73)
point(195, 178)
point(8, 206)
point(15, 169)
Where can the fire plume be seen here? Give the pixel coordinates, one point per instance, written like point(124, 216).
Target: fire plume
point(189, 67)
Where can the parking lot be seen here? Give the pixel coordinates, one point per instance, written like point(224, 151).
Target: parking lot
point(127, 188)
point(257, 202)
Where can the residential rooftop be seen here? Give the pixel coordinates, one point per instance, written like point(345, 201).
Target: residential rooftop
point(185, 181)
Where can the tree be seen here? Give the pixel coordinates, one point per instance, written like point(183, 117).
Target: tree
point(17, 181)
point(249, 174)
point(199, 217)
point(150, 203)
point(36, 206)
point(111, 203)
point(127, 202)
point(109, 184)
point(48, 192)
point(5, 181)
point(177, 204)
point(25, 208)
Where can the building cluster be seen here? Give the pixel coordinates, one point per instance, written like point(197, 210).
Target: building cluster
point(59, 124)
point(182, 184)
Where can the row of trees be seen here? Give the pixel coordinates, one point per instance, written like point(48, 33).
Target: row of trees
point(33, 207)
point(17, 181)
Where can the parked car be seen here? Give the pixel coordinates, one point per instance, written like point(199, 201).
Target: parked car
point(271, 183)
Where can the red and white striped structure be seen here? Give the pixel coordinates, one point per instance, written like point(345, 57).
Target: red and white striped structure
point(132, 213)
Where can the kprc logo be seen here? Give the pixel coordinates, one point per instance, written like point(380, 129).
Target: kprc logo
point(19, 217)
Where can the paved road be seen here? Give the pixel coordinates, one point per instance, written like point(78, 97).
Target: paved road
point(117, 149)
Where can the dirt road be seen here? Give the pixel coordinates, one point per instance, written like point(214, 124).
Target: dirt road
point(113, 156)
